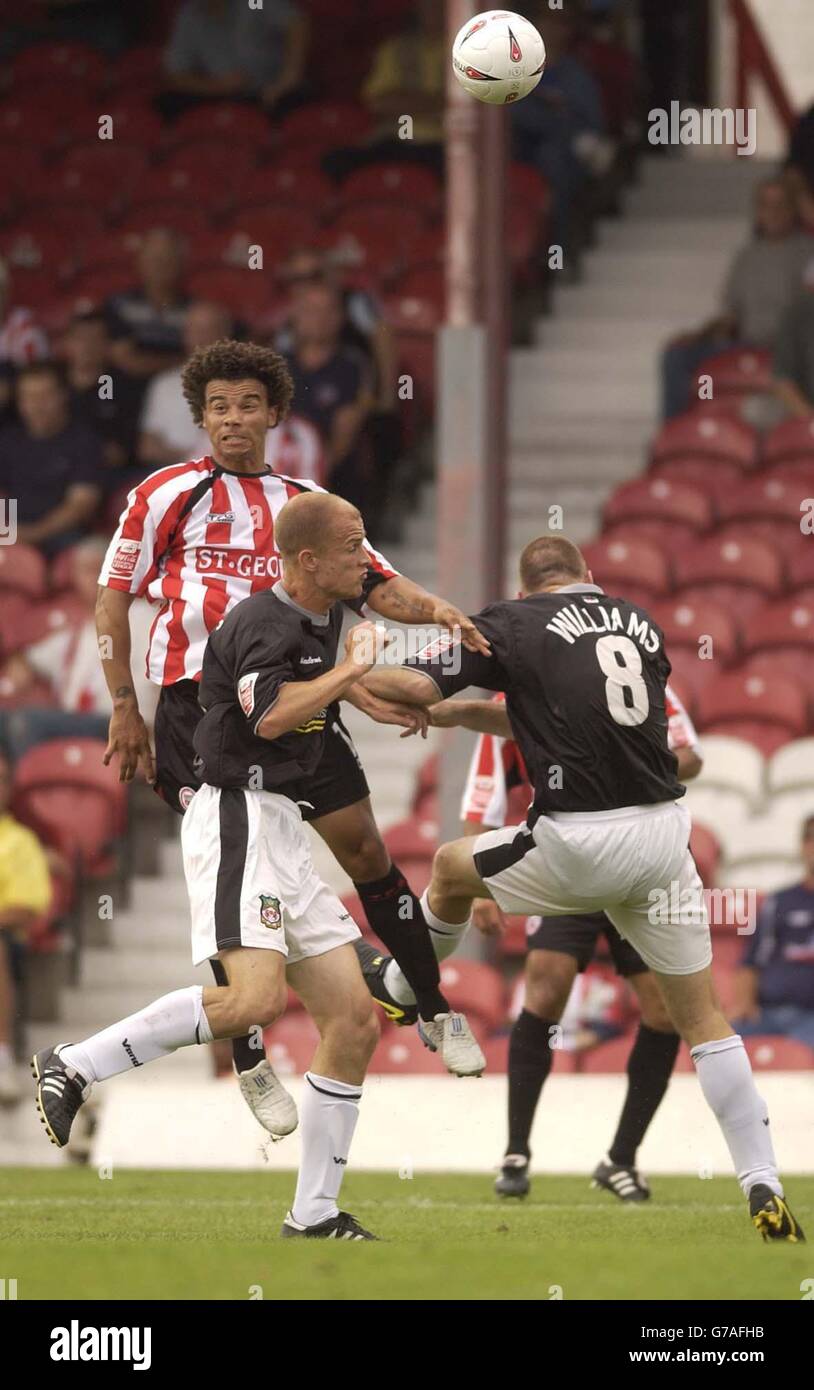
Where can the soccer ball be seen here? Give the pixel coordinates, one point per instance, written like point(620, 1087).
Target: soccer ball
point(498, 57)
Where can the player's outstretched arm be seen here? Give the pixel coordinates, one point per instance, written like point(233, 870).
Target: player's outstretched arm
point(402, 684)
point(301, 700)
point(405, 602)
point(411, 718)
point(128, 736)
point(481, 716)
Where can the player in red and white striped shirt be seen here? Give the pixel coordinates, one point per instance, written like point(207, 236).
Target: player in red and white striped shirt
point(558, 948)
point(195, 539)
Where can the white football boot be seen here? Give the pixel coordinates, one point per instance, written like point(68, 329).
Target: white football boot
point(451, 1035)
point(268, 1100)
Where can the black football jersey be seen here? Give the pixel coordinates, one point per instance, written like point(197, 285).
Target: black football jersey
point(266, 641)
point(584, 676)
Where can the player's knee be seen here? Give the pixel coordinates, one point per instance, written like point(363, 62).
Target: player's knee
point(366, 858)
point(355, 1033)
point(256, 1005)
point(547, 989)
point(445, 869)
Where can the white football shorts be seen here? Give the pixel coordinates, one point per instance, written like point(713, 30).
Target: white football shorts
point(633, 863)
point(251, 879)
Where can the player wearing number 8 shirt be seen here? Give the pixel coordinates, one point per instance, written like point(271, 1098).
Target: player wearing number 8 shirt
point(585, 675)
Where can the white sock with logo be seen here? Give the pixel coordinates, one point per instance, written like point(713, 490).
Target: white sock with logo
point(729, 1089)
point(329, 1110)
point(445, 937)
point(175, 1020)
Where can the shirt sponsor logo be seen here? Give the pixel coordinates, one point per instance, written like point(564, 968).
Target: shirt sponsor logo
point(185, 795)
point(245, 691)
point(310, 661)
point(220, 516)
point(125, 559)
point(244, 564)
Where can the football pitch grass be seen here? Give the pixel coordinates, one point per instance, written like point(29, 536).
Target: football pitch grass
point(69, 1234)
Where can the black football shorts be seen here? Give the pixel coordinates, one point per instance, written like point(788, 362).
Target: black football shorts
point(578, 936)
point(339, 780)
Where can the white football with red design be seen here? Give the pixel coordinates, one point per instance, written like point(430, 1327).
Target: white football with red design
point(498, 57)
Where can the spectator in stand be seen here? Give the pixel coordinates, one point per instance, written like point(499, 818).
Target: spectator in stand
point(21, 341)
point(25, 894)
point(67, 660)
point(168, 434)
point(103, 398)
point(365, 330)
point(775, 985)
point(51, 466)
point(408, 77)
point(794, 351)
point(222, 51)
point(561, 129)
point(764, 280)
point(332, 389)
point(146, 323)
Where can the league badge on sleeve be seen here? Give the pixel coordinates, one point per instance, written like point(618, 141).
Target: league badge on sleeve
point(245, 692)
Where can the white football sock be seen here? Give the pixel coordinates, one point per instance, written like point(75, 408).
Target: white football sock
point(729, 1089)
point(175, 1020)
point(445, 938)
point(328, 1113)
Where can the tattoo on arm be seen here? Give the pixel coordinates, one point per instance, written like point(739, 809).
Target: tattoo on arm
point(122, 692)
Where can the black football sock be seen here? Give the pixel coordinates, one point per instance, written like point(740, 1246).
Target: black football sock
point(395, 915)
point(529, 1064)
point(245, 1055)
point(649, 1067)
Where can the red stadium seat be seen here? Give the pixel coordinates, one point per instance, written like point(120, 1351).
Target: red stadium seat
point(713, 476)
point(660, 500)
point(706, 851)
point(22, 567)
point(244, 292)
point(96, 285)
point(788, 622)
point(523, 234)
point(476, 990)
point(59, 64)
point(620, 566)
point(291, 1042)
point(800, 564)
point(685, 624)
point(381, 223)
point(325, 123)
point(731, 567)
point(767, 712)
point(496, 1052)
point(73, 219)
point(240, 122)
point(64, 786)
point(771, 504)
point(425, 283)
point(512, 942)
point(287, 183)
point(138, 65)
point(738, 371)
point(527, 185)
point(278, 230)
point(607, 1057)
point(16, 610)
point(415, 838)
point(406, 185)
point(119, 163)
point(38, 248)
point(698, 435)
point(689, 674)
point(771, 1052)
point(20, 169)
point(176, 213)
point(29, 123)
point(134, 122)
point(792, 441)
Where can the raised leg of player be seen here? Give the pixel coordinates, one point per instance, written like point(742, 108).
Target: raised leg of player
point(392, 909)
point(334, 993)
point(725, 1075)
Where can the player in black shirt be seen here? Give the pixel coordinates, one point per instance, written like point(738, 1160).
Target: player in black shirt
point(584, 676)
point(257, 905)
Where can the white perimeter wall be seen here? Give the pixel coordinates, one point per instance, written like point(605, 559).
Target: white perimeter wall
point(415, 1124)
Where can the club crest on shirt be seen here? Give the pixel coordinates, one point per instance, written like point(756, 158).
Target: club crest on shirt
point(125, 559)
point(270, 914)
point(245, 691)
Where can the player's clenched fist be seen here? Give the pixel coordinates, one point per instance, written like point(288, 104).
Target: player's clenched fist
point(365, 645)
